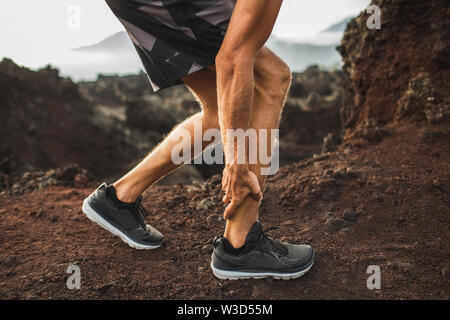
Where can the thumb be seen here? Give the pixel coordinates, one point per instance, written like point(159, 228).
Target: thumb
point(230, 209)
point(226, 199)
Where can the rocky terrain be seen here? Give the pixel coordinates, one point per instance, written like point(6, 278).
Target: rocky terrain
point(46, 123)
point(50, 122)
point(376, 192)
point(313, 105)
point(397, 75)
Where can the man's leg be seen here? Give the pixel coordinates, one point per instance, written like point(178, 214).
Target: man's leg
point(252, 85)
point(272, 80)
point(106, 207)
point(159, 162)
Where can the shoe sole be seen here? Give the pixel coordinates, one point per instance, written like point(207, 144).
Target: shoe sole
point(238, 275)
point(98, 219)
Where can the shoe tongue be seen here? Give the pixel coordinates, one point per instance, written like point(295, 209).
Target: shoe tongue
point(255, 232)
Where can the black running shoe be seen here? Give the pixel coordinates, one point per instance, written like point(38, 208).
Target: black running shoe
point(260, 257)
point(125, 220)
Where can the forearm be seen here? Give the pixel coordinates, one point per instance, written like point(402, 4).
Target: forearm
point(249, 28)
point(235, 85)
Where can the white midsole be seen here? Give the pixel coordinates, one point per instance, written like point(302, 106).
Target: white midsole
point(95, 217)
point(234, 275)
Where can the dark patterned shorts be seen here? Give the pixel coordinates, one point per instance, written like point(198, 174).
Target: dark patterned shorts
point(174, 38)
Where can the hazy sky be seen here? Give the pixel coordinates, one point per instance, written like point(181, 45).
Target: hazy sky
point(35, 33)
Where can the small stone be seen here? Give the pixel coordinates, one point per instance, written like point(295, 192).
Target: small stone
point(67, 173)
point(180, 223)
point(207, 248)
point(80, 180)
point(351, 172)
point(377, 198)
point(288, 223)
point(40, 213)
point(350, 215)
point(205, 204)
point(50, 173)
point(336, 224)
point(328, 214)
point(399, 221)
point(341, 174)
point(330, 143)
point(30, 185)
point(214, 219)
point(72, 193)
point(47, 182)
point(10, 260)
point(345, 231)
point(389, 190)
point(26, 175)
point(404, 265)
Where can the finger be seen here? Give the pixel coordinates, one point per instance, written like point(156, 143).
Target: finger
point(224, 182)
point(228, 195)
point(258, 197)
point(226, 199)
point(230, 210)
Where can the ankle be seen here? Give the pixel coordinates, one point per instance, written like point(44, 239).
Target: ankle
point(237, 240)
point(237, 234)
point(125, 193)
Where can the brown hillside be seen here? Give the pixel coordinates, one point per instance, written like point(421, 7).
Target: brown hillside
point(403, 69)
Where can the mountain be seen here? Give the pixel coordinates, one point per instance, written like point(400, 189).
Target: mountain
point(298, 55)
point(331, 35)
point(118, 43)
point(340, 26)
point(116, 54)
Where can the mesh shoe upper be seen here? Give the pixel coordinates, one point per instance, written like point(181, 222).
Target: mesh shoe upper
point(128, 218)
point(262, 253)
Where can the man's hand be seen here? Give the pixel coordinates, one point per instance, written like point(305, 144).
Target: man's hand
point(237, 183)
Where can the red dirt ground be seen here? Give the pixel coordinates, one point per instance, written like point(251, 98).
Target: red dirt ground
point(399, 193)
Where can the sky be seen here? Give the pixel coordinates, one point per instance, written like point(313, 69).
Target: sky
point(35, 33)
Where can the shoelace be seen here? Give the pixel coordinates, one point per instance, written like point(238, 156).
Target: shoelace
point(140, 209)
point(273, 242)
